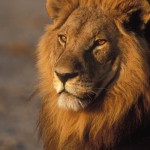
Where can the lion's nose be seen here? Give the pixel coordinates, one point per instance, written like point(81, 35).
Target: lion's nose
point(67, 68)
point(66, 76)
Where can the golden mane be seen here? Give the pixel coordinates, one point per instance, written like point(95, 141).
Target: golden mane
point(128, 101)
point(116, 9)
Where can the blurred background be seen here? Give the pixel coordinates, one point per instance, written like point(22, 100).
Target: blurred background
point(22, 23)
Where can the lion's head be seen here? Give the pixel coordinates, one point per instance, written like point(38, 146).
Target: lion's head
point(94, 67)
point(87, 58)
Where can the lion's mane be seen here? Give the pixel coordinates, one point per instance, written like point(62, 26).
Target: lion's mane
point(125, 106)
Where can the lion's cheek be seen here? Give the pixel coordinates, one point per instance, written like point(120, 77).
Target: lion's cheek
point(102, 54)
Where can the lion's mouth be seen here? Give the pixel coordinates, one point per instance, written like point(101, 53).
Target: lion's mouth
point(86, 97)
point(68, 100)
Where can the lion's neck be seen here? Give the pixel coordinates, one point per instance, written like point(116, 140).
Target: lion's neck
point(90, 129)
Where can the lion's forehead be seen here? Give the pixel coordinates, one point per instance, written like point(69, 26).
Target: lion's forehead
point(89, 22)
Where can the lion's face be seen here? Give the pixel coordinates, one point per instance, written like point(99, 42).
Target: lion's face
point(87, 58)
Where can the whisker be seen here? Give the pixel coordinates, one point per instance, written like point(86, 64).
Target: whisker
point(88, 96)
point(93, 92)
point(101, 89)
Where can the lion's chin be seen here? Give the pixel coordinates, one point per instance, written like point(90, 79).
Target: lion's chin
point(70, 102)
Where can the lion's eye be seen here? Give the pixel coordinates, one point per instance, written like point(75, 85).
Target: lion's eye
point(62, 39)
point(100, 42)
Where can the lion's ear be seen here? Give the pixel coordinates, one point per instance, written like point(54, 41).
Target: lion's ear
point(53, 8)
point(138, 17)
point(60, 8)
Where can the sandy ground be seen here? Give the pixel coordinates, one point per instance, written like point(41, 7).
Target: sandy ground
point(21, 25)
point(18, 115)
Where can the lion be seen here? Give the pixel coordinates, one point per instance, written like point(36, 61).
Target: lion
point(94, 69)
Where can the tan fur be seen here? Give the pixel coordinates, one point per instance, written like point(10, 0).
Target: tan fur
point(105, 125)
